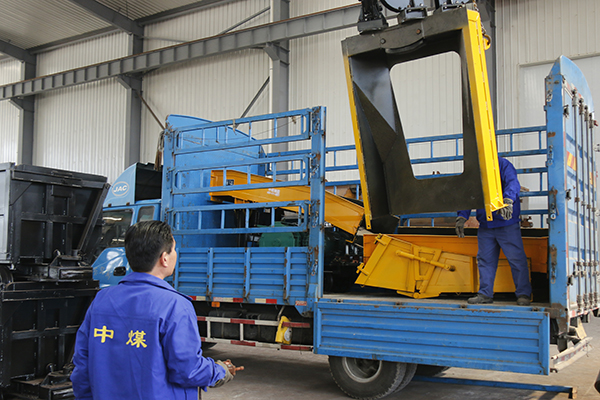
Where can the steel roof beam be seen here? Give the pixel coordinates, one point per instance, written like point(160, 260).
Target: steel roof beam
point(111, 16)
point(17, 52)
point(256, 37)
point(186, 9)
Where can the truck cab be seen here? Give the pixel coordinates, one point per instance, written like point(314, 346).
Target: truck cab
point(133, 198)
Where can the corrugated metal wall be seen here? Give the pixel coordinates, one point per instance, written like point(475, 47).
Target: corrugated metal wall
point(537, 32)
point(531, 35)
point(215, 88)
point(82, 128)
point(10, 71)
point(317, 78)
point(427, 91)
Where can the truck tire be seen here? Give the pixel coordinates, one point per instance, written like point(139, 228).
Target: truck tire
point(411, 369)
point(369, 379)
point(430, 370)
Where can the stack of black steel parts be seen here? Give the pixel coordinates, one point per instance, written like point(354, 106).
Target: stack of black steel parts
point(50, 223)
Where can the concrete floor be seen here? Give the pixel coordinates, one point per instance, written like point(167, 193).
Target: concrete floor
point(275, 374)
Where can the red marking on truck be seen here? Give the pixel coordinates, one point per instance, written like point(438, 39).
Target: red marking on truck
point(266, 301)
point(291, 347)
point(242, 321)
point(229, 299)
point(243, 343)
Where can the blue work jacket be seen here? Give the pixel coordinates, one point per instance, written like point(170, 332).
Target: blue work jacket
point(140, 340)
point(510, 190)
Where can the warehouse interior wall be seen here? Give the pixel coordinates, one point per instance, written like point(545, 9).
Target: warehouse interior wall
point(214, 88)
point(427, 91)
point(84, 127)
point(10, 71)
point(531, 35)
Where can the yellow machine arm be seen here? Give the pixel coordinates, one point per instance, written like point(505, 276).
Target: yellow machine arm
point(339, 212)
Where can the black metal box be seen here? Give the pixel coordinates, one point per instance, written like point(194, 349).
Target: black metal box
point(46, 212)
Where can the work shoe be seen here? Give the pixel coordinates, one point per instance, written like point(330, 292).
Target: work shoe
point(480, 299)
point(523, 300)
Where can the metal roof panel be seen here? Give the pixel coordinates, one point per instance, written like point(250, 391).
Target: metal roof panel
point(30, 23)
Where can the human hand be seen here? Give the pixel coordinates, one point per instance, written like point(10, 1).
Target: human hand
point(232, 368)
point(507, 211)
point(460, 227)
point(230, 371)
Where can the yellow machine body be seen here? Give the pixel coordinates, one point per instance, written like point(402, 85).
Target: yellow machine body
point(339, 212)
point(436, 265)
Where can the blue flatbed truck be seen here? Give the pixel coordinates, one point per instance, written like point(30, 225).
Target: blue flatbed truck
point(272, 274)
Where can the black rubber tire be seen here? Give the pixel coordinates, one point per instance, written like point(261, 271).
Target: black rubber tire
point(411, 369)
point(430, 370)
point(369, 379)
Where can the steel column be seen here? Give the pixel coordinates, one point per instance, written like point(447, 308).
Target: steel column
point(133, 127)
point(26, 106)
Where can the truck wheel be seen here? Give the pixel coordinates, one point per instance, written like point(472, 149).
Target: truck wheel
point(369, 379)
point(411, 369)
point(430, 370)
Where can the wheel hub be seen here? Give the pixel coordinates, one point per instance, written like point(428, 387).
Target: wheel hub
point(363, 371)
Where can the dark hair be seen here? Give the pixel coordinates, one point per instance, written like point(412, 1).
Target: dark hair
point(145, 242)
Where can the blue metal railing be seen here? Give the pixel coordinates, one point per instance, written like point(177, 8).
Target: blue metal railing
point(198, 164)
point(506, 136)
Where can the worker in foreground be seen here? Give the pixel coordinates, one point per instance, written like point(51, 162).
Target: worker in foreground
point(503, 232)
point(140, 339)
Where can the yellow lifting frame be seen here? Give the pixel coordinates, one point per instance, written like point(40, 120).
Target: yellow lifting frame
point(475, 45)
point(482, 112)
point(358, 144)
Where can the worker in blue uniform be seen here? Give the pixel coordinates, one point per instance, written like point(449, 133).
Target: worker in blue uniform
point(503, 232)
point(140, 339)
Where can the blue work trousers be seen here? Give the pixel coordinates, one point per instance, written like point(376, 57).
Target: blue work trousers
point(508, 238)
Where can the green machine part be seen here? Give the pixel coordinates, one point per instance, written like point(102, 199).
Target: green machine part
point(334, 242)
point(286, 239)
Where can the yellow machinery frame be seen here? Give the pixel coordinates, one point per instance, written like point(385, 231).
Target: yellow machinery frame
point(425, 266)
point(389, 187)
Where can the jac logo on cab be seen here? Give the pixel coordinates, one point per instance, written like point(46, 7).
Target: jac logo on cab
point(120, 188)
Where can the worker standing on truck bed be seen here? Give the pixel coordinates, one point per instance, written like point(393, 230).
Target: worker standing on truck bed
point(140, 339)
point(503, 232)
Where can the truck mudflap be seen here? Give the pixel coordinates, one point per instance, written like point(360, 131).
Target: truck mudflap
point(494, 337)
